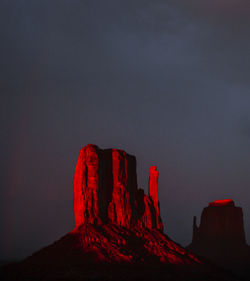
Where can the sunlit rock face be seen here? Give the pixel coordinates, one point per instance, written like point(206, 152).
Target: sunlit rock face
point(115, 220)
point(224, 202)
point(221, 236)
point(118, 232)
point(106, 191)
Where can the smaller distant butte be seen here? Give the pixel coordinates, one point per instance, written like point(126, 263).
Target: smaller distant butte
point(225, 202)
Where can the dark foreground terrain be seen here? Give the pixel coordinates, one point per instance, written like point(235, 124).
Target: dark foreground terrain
point(25, 271)
point(118, 232)
point(124, 256)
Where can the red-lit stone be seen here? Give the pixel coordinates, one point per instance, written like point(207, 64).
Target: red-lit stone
point(147, 219)
point(153, 194)
point(86, 185)
point(113, 244)
point(115, 221)
point(153, 184)
point(105, 190)
point(119, 209)
point(225, 202)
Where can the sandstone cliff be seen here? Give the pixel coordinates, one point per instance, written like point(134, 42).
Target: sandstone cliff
point(221, 223)
point(221, 236)
point(106, 191)
point(118, 232)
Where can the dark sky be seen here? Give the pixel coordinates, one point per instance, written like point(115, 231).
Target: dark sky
point(167, 81)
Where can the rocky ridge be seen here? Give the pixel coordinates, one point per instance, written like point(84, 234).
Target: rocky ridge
point(118, 232)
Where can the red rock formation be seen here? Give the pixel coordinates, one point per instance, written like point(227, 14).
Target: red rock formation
point(105, 190)
point(116, 224)
point(225, 202)
point(221, 223)
point(153, 193)
point(111, 212)
point(153, 184)
point(147, 219)
point(86, 185)
point(221, 236)
point(120, 209)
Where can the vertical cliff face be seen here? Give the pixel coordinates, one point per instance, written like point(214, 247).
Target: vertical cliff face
point(221, 236)
point(86, 186)
point(105, 190)
point(221, 224)
point(120, 207)
point(153, 194)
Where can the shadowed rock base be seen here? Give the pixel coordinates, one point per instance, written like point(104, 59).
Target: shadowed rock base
point(111, 252)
